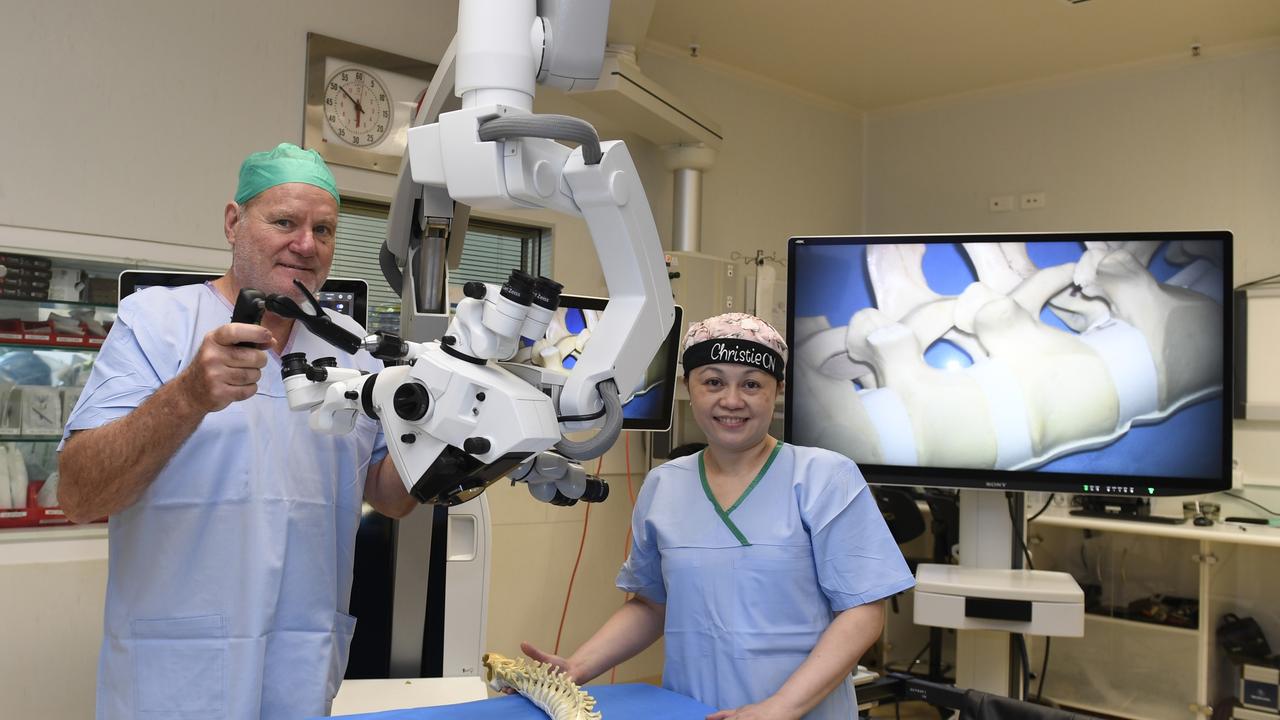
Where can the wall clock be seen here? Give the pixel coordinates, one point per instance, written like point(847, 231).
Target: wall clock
point(360, 101)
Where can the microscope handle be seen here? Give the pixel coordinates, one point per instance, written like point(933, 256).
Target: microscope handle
point(250, 305)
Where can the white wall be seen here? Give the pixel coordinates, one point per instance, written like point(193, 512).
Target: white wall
point(131, 117)
point(791, 164)
point(1174, 144)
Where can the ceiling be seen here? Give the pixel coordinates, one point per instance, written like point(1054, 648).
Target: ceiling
point(870, 54)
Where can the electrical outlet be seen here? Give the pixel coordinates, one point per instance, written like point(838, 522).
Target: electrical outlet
point(1032, 201)
point(1000, 203)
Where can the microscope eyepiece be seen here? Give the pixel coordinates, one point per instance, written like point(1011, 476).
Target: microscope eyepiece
point(411, 401)
point(518, 288)
point(597, 491)
point(293, 364)
point(546, 293)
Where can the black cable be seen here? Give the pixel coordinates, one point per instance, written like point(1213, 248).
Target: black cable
point(1042, 509)
point(1259, 281)
point(1264, 508)
point(1021, 642)
point(918, 656)
point(1044, 669)
point(1017, 532)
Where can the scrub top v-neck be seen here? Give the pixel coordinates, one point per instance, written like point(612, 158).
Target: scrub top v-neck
point(723, 513)
point(749, 590)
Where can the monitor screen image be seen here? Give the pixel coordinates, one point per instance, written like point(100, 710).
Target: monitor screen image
point(567, 335)
point(1078, 362)
point(348, 296)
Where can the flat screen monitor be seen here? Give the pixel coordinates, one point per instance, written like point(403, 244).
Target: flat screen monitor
point(650, 408)
point(1092, 363)
point(348, 296)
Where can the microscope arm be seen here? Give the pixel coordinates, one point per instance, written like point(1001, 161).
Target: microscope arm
point(456, 419)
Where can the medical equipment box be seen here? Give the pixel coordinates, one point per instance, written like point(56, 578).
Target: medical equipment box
point(1260, 688)
point(1035, 602)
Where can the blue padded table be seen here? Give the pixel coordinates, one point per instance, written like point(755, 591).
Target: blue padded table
point(633, 701)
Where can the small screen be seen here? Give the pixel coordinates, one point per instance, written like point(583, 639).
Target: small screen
point(650, 407)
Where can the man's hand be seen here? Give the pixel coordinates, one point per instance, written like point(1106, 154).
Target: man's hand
point(222, 372)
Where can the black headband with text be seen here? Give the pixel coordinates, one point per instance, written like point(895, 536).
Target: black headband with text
point(737, 351)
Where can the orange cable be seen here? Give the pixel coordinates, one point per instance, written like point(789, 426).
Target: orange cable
point(586, 519)
point(626, 546)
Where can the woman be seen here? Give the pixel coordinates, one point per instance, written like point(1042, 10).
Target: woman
point(761, 562)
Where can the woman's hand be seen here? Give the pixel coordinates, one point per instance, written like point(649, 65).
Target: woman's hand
point(770, 709)
point(555, 660)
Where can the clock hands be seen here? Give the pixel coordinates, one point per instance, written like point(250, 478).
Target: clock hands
point(359, 109)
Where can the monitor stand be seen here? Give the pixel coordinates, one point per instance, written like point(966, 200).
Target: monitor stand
point(1121, 508)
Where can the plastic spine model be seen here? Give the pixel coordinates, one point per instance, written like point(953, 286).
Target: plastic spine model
point(545, 686)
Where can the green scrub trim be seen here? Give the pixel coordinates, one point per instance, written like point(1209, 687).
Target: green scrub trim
point(724, 514)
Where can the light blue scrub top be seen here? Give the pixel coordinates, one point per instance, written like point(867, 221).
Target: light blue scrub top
point(750, 588)
point(229, 578)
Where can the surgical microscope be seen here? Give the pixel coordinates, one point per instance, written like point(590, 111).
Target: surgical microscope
point(457, 413)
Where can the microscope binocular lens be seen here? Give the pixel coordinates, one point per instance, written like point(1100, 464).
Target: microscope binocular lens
point(546, 293)
point(293, 364)
point(518, 288)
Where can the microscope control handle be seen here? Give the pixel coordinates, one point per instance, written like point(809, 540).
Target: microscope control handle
point(250, 305)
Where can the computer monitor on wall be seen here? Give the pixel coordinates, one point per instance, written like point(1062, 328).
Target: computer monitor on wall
point(1093, 363)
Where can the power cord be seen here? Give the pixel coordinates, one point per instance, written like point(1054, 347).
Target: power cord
point(586, 520)
point(1260, 506)
point(1021, 642)
point(1044, 507)
point(1017, 532)
point(1044, 669)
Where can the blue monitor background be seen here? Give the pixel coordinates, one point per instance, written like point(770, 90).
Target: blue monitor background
point(651, 407)
point(1188, 451)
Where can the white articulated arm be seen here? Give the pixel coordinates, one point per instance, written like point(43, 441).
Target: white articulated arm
point(458, 418)
point(640, 309)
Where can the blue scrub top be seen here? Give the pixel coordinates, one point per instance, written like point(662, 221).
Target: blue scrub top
point(230, 577)
point(749, 589)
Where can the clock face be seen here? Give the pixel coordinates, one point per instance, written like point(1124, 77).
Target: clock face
point(357, 107)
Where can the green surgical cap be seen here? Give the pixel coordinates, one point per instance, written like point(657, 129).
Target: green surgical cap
point(287, 163)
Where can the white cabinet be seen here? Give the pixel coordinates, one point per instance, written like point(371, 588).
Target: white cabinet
point(1148, 670)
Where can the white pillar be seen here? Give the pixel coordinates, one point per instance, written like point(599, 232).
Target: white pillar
point(688, 162)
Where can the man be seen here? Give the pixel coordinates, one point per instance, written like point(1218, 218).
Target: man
point(232, 524)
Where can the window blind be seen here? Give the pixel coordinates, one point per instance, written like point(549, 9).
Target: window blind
point(490, 252)
point(361, 229)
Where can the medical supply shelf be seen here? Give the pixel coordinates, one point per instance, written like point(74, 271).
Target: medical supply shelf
point(1146, 670)
point(47, 348)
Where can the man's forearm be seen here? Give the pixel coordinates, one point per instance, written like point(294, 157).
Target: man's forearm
point(384, 490)
point(106, 469)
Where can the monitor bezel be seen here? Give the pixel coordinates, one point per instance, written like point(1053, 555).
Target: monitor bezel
point(131, 280)
point(591, 302)
point(1035, 480)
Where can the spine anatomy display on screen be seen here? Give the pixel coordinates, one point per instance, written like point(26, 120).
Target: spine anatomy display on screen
point(1134, 351)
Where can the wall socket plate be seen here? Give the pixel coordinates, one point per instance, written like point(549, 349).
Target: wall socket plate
point(1000, 203)
point(1032, 201)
